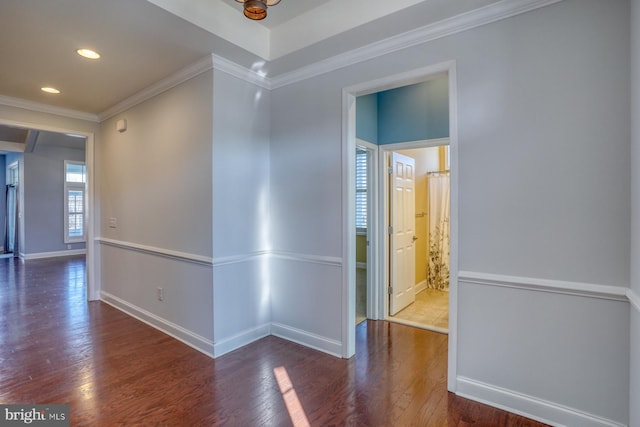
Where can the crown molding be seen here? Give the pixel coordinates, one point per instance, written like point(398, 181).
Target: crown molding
point(181, 76)
point(252, 76)
point(465, 21)
point(49, 109)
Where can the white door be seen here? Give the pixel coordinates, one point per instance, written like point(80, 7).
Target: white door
point(402, 233)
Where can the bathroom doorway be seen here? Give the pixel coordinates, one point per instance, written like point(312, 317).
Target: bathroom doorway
point(353, 130)
point(427, 305)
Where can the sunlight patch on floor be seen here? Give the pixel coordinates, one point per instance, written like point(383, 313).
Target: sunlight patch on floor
point(296, 412)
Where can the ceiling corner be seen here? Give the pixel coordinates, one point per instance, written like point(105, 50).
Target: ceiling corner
point(222, 20)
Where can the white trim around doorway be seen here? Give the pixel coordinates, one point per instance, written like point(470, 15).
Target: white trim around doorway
point(349, 95)
point(372, 236)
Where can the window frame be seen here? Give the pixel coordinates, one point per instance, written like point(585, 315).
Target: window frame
point(75, 186)
point(362, 190)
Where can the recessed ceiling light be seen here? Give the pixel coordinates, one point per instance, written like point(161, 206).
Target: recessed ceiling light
point(88, 53)
point(50, 90)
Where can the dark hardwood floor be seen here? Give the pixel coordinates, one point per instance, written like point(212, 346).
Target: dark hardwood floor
point(114, 370)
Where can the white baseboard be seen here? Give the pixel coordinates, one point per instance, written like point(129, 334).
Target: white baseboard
point(307, 339)
point(525, 405)
point(191, 339)
point(226, 345)
point(421, 286)
point(40, 255)
point(240, 340)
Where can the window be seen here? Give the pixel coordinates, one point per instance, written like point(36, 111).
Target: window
point(74, 201)
point(361, 190)
point(13, 174)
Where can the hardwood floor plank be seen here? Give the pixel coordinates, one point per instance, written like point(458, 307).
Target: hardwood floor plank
point(115, 370)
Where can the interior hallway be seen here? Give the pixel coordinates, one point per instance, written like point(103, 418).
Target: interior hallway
point(115, 370)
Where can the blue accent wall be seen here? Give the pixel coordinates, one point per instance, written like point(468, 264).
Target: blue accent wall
point(415, 112)
point(409, 113)
point(367, 118)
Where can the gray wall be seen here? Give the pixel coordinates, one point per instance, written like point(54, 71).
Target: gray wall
point(241, 236)
point(543, 194)
point(43, 187)
point(634, 395)
point(155, 181)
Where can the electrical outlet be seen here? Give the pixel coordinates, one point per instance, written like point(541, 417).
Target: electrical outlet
point(160, 292)
point(113, 222)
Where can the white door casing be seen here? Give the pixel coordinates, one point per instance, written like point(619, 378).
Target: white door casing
point(402, 233)
point(380, 215)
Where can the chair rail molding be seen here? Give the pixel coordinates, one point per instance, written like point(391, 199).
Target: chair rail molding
point(617, 293)
point(634, 299)
point(152, 250)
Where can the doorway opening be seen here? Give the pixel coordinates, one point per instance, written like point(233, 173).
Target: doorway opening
point(67, 212)
point(378, 271)
point(366, 199)
point(419, 296)
point(11, 220)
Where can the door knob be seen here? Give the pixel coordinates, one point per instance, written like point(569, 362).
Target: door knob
point(415, 238)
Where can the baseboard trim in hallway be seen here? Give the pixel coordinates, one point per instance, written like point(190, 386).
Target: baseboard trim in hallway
point(518, 403)
point(191, 339)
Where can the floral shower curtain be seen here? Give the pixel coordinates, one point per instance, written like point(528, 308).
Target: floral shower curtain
point(439, 203)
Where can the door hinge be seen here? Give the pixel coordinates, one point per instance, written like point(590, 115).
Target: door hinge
point(390, 290)
point(390, 170)
point(390, 230)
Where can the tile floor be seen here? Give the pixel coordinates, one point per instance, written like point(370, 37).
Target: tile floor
point(429, 311)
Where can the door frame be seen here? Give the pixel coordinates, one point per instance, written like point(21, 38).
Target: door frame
point(93, 289)
point(15, 165)
point(349, 95)
point(385, 200)
point(372, 226)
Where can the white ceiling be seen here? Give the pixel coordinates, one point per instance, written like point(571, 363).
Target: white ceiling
point(144, 41)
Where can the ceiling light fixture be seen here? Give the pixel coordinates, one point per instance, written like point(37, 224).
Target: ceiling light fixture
point(257, 9)
point(50, 90)
point(88, 53)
